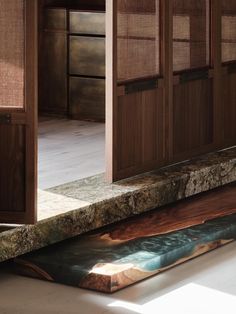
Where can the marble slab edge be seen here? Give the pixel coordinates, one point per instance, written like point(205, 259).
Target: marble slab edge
point(109, 203)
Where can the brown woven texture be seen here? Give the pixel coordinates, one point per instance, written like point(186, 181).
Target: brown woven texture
point(138, 39)
point(11, 53)
point(191, 34)
point(229, 30)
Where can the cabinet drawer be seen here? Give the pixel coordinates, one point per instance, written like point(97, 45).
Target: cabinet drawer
point(92, 23)
point(87, 56)
point(55, 19)
point(87, 98)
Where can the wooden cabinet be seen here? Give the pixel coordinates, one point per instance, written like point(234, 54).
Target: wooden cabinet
point(73, 53)
point(53, 63)
point(87, 98)
point(87, 23)
point(87, 56)
point(87, 65)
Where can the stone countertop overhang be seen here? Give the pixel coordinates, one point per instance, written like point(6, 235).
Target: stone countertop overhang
point(96, 203)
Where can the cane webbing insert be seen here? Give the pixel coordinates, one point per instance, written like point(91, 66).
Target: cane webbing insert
point(11, 53)
point(191, 34)
point(138, 39)
point(228, 30)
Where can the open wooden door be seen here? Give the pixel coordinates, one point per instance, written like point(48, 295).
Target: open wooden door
point(18, 93)
point(137, 101)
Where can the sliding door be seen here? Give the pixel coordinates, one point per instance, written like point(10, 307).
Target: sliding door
point(193, 100)
point(171, 74)
point(136, 112)
point(18, 44)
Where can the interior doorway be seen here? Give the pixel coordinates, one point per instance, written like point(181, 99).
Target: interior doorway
point(71, 95)
point(71, 133)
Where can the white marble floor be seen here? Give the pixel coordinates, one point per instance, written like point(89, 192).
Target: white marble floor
point(69, 150)
point(206, 285)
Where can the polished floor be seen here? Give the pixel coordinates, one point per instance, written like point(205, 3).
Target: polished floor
point(69, 150)
point(205, 285)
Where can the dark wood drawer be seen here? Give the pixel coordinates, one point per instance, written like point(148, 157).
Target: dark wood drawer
point(55, 19)
point(87, 98)
point(87, 56)
point(92, 23)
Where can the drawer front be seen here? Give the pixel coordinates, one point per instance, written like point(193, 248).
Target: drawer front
point(87, 56)
point(92, 23)
point(87, 98)
point(55, 19)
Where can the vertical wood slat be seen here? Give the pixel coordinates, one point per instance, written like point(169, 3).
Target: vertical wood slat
point(31, 97)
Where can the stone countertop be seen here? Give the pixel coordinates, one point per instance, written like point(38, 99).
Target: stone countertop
point(93, 203)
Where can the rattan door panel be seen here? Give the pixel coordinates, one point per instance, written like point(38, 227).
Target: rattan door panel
point(12, 54)
point(228, 31)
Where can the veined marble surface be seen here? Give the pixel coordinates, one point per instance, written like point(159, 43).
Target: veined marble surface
point(99, 203)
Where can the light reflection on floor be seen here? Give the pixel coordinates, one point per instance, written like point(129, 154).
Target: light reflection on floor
point(189, 299)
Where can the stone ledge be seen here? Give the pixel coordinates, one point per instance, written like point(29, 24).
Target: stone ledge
point(102, 203)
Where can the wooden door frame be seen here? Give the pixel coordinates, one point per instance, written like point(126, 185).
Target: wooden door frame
point(111, 88)
point(31, 97)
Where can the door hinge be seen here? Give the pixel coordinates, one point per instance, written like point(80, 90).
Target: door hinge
point(5, 118)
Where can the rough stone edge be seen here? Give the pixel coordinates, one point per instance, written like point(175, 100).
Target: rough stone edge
point(178, 186)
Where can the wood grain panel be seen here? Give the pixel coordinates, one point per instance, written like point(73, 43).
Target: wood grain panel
point(229, 99)
point(193, 116)
point(12, 168)
point(141, 133)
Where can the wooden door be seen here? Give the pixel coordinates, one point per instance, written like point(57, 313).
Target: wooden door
point(18, 93)
point(136, 106)
point(193, 101)
point(166, 99)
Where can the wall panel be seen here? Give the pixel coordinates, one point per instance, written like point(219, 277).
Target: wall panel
point(140, 140)
point(229, 99)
